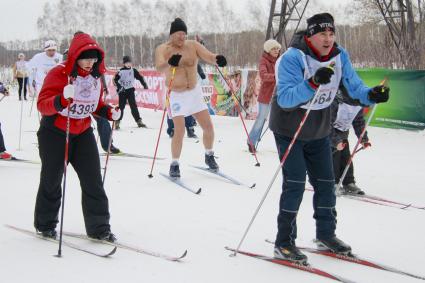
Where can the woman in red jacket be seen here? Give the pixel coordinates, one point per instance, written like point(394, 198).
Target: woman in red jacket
point(58, 99)
point(268, 82)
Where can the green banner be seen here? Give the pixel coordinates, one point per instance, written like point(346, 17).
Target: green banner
point(406, 106)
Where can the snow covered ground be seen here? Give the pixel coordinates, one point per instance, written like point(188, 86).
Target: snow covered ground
point(158, 215)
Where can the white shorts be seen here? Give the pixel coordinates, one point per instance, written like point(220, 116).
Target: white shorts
point(186, 103)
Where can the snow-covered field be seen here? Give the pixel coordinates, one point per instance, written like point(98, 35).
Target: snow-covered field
point(160, 216)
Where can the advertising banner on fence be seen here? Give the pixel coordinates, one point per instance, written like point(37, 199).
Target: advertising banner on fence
point(406, 106)
point(404, 110)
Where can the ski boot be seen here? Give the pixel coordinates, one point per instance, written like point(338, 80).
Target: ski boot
point(290, 253)
point(171, 133)
point(210, 161)
point(50, 233)
point(191, 133)
point(174, 170)
point(105, 236)
point(114, 150)
point(5, 156)
point(352, 189)
point(334, 245)
point(251, 150)
point(117, 125)
point(140, 124)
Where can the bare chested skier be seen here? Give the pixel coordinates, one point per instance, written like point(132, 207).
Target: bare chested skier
point(186, 94)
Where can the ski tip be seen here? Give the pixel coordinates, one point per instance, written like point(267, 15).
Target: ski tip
point(183, 255)
point(111, 252)
point(253, 186)
point(198, 191)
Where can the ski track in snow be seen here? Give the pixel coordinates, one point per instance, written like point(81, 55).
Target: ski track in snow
point(158, 215)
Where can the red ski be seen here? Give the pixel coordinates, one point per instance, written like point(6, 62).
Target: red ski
point(291, 264)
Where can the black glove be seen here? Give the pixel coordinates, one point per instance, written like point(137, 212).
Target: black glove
point(145, 86)
point(174, 60)
point(323, 75)
point(379, 94)
point(221, 60)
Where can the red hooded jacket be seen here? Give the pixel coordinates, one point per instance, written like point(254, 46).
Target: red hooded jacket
point(268, 81)
point(50, 100)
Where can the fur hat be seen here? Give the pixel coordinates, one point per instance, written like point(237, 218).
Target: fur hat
point(319, 23)
point(270, 44)
point(178, 25)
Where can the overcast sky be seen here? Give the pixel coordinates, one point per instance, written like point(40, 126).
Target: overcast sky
point(18, 18)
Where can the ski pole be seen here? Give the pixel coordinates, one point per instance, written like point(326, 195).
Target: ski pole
point(22, 109)
point(355, 150)
point(33, 98)
point(167, 102)
point(108, 153)
point(65, 165)
point(237, 104)
point(338, 187)
point(282, 162)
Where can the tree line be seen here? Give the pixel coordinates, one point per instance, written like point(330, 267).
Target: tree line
point(136, 27)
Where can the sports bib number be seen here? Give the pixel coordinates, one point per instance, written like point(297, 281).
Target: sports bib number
point(82, 109)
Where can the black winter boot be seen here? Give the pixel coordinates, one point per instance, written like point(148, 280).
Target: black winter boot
point(51, 233)
point(174, 170)
point(291, 253)
point(191, 133)
point(334, 245)
point(105, 236)
point(210, 161)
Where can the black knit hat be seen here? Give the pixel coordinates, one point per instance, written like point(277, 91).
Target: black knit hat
point(126, 59)
point(89, 54)
point(319, 23)
point(178, 25)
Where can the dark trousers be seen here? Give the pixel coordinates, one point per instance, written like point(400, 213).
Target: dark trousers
point(340, 160)
point(2, 147)
point(315, 158)
point(128, 95)
point(104, 129)
point(189, 121)
point(23, 84)
point(84, 158)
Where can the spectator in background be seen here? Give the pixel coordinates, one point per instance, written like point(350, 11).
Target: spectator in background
point(20, 73)
point(346, 112)
point(42, 63)
point(3, 154)
point(124, 80)
point(268, 82)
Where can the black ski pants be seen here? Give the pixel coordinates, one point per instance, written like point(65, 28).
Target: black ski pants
point(340, 160)
point(128, 95)
point(84, 158)
point(23, 82)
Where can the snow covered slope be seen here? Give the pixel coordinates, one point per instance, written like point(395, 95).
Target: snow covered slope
point(158, 215)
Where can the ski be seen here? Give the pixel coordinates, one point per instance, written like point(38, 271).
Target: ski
point(65, 243)
point(21, 160)
point(295, 265)
point(125, 154)
point(376, 198)
point(355, 259)
point(179, 182)
point(224, 176)
point(118, 244)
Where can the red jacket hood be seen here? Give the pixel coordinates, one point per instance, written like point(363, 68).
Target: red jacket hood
point(82, 42)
